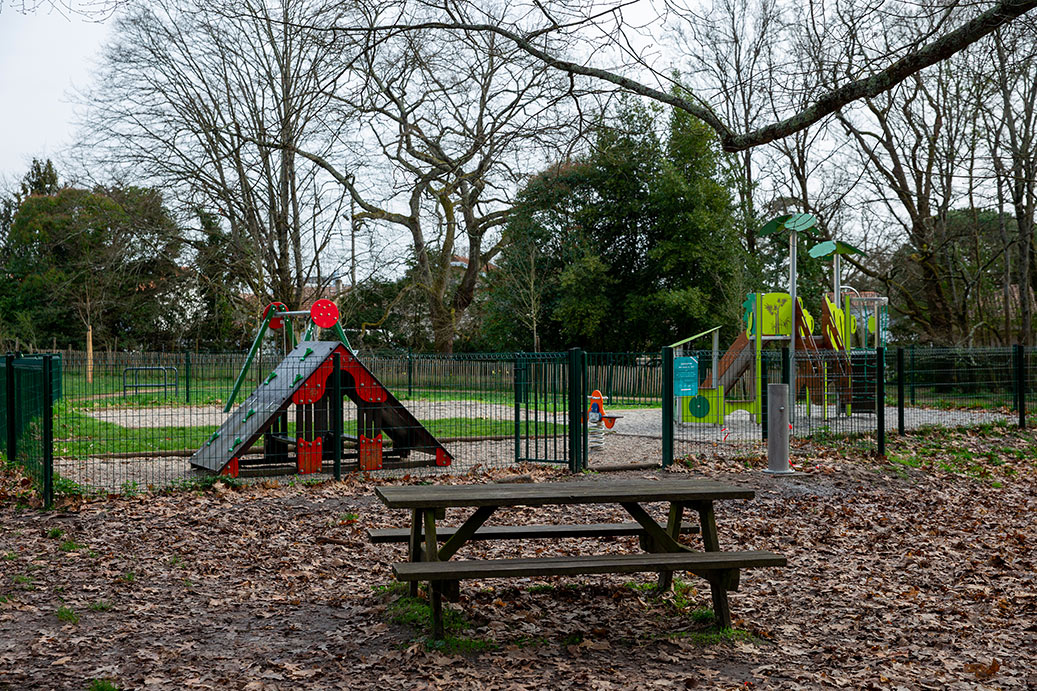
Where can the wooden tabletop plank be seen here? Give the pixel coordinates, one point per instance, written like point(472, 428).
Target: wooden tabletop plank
point(542, 493)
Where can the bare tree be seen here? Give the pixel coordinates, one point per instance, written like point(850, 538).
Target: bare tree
point(452, 127)
point(552, 32)
point(213, 106)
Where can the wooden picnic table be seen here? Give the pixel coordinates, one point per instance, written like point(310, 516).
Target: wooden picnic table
point(429, 561)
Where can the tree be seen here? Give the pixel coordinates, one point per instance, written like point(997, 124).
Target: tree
point(552, 31)
point(212, 103)
point(639, 235)
point(454, 126)
point(103, 258)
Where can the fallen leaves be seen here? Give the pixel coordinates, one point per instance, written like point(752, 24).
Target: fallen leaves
point(914, 580)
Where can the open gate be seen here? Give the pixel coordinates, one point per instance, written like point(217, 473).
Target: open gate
point(550, 402)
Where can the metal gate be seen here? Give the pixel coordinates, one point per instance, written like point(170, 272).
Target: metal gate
point(550, 392)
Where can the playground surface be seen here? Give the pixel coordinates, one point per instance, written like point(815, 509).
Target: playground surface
point(899, 576)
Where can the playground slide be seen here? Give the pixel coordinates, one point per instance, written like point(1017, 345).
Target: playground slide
point(733, 364)
point(302, 377)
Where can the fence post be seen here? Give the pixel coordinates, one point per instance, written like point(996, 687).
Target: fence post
point(900, 391)
point(336, 412)
point(912, 375)
point(764, 399)
point(410, 373)
point(667, 407)
point(1020, 382)
point(576, 404)
point(880, 398)
point(516, 373)
point(785, 368)
point(187, 377)
point(12, 436)
point(48, 432)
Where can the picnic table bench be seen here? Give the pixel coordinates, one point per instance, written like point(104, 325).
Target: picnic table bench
point(430, 562)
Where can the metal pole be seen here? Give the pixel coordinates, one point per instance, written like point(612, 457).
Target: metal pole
point(1020, 383)
point(765, 403)
point(900, 391)
point(48, 432)
point(778, 432)
point(880, 398)
point(575, 411)
point(187, 377)
point(793, 243)
point(668, 399)
point(12, 436)
point(336, 412)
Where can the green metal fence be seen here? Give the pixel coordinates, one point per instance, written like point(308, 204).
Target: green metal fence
point(30, 384)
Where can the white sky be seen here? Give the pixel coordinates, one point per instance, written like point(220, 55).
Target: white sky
point(42, 57)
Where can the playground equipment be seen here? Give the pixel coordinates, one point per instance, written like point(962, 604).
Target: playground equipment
point(598, 421)
point(770, 319)
point(306, 378)
point(831, 372)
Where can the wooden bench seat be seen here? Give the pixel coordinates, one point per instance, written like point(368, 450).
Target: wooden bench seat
point(695, 562)
point(721, 569)
point(527, 532)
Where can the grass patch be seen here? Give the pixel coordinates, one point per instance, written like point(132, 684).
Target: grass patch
point(55, 533)
point(70, 546)
point(23, 580)
point(714, 636)
point(66, 615)
point(9, 556)
point(541, 588)
point(416, 613)
point(128, 577)
point(100, 606)
point(102, 685)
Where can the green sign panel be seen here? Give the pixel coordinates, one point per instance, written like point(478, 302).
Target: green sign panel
point(685, 376)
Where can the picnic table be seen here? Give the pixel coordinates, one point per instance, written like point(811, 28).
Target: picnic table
point(430, 561)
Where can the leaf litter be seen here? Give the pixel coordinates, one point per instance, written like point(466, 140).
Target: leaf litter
point(911, 571)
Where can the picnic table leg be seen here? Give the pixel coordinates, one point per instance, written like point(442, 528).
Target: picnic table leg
point(673, 529)
point(414, 547)
point(435, 587)
point(718, 583)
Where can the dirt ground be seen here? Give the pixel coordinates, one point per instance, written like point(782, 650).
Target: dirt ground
point(910, 574)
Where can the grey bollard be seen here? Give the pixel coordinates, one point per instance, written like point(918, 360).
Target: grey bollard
point(778, 430)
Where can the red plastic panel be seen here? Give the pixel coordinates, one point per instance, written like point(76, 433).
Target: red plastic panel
point(276, 322)
point(308, 455)
point(370, 453)
point(231, 469)
point(324, 313)
point(442, 457)
point(313, 388)
point(366, 386)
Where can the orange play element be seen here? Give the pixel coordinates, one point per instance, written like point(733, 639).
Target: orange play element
point(324, 313)
point(276, 322)
point(442, 457)
point(370, 453)
point(366, 386)
point(596, 411)
point(231, 469)
point(313, 388)
point(308, 455)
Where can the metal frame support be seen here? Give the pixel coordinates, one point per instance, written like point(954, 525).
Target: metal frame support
point(668, 400)
point(336, 412)
point(12, 436)
point(880, 399)
point(900, 391)
point(577, 424)
point(48, 432)
point(1019, 356)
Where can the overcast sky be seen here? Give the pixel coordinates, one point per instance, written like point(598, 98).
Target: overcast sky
point(42, 56)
